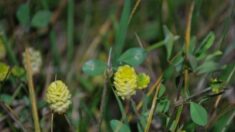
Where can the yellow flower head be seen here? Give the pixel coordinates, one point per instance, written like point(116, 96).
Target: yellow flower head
point(35, 60)
point(58, 97)
point(4, 69)
point(125, 81)
point(142, 81)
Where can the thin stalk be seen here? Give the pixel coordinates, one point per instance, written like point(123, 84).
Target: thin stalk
point(103, 99)
point(32, 92)
point(52, 121)
point(186, 72)
point(187, 45)
point(134, 10)
point(105, 90)
point(156, 45)
point(69, 123)
point(153, 106)
point(228, 122)
point(178, 115)
point(133, 104)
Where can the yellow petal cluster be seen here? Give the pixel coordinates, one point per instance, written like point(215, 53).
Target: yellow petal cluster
point(125, 81)
point(58, 97)
point(142, 81)
point(35, 60)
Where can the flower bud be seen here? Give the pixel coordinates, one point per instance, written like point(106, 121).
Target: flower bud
point(58, 97)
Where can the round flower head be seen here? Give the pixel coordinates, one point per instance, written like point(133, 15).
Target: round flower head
point(142, 81)
point(35, 60)
point(58, 97)
point(125, 81)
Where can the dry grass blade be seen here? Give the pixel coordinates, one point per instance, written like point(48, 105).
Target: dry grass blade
point(153, 106)
point(134, 10)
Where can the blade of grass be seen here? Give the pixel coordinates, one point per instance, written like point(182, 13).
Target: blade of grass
point(155, 46)
point(54, 48)
point(10, 52)
point(13, 115)
point(149, 92)
point(121, 107)
point(122, 29)
point(185, 72)
point(105, 90)
point(187, 43)
point(32, 92)
point(70, 29)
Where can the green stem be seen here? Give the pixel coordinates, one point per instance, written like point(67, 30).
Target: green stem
point(52, 121)
point(178, 115)
point(156, 45)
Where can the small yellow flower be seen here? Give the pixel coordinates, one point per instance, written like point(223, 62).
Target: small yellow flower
point(58, 97)
point(142, 81)
point(4, 69)
point(35, 60)
point(125, 81)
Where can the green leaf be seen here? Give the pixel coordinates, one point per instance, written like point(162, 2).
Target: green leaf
point(161, 91)
point(17, 71)
point(205, 45)
point(23, 14)
point(6, 98)
point(213, 55)
point(198, 114)
point(169, 41)
point(207, 66)
point(118, 126)
point(94, 67)
point(4, 69)
point(133, 56)
point(192, 62)
point(169, 72)
point(163, 106)
point(41, 19)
